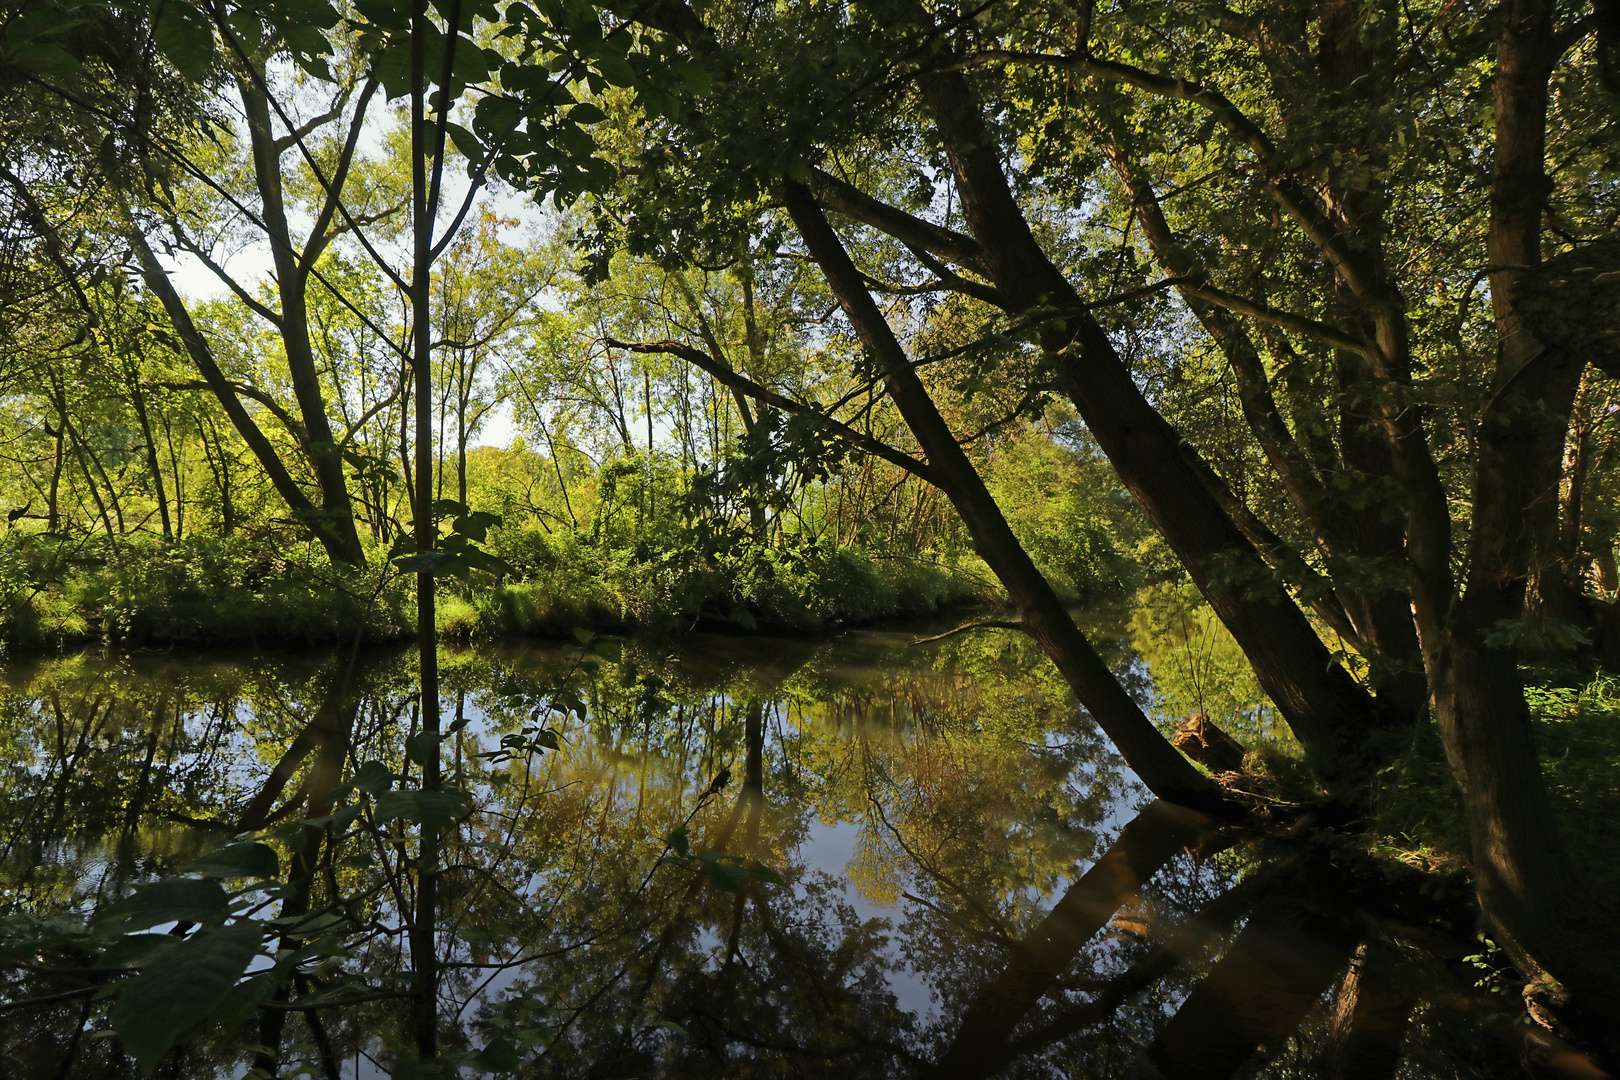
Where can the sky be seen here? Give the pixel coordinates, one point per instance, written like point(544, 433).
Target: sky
point(251, 264)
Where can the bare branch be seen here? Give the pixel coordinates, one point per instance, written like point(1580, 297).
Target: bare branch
point(732, 380)
point(982, 624)
point(318, 232)
point(253, 303)
point(313, 122)
point(845, 198)
point(1329, 335)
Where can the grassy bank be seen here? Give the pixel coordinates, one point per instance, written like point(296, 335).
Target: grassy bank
point(1577, 718)
point(58, 594)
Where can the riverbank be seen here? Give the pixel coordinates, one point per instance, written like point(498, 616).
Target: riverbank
point(57, 595)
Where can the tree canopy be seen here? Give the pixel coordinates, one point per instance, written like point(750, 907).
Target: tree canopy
point(1316, 301)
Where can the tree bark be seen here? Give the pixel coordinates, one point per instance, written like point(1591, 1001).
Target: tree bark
point(1329, 712)
point(1160, 766)
point(1539, 907)
point(291, 279)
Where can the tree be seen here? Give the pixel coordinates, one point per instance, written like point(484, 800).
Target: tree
point(1316, 149)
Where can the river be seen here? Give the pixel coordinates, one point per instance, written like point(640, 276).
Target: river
point(722, 856)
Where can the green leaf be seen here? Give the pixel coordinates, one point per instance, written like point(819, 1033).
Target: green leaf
point(250, 860)
point(465, 142)
point(313, 13)
point(244, 999)
point(723, 871)
point(315, 66)
point(430, 809)
point(46, 59)
point(475, 525)
point(680, 840)
point(500, 1054)
point(248, 28)
point(392, 66)
point(388, 16)
point(186, 37)
point(695, 78)
point(616, 70)
point(136, 950)
point(587, 113)
point(373, 778)
point(488, 562)
point(760, 872)
point(37, 23)
point(177, 899)
point(423, 745)
point(181, 988)
point(422, 562)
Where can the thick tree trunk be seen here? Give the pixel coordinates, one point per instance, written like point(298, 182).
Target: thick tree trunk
point(1382, 628)
point(1355, 53)
point(1160, 766)
point(1537, 904)
point(1329, 712)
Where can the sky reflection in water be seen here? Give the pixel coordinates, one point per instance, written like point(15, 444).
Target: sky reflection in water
point(929, 807)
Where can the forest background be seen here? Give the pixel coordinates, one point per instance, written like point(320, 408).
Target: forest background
point(1309, 313)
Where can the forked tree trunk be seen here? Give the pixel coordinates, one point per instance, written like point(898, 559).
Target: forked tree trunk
point(292, 275)
point(1332, 715)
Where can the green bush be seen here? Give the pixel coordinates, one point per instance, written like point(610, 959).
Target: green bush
point(207, 591)
point(238, 591)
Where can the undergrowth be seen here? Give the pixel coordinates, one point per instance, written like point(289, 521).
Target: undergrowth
point(140, 592)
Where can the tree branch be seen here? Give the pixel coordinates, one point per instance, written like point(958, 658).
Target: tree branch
point(253, 393)
point(845, 198)
point(982, 624)
point(252, 303)
point(1329, 335)
point(734, 381)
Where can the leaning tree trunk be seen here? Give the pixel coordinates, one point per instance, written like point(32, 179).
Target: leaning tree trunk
point(1160, 766)
point(1535, 899)
point(1327, 709)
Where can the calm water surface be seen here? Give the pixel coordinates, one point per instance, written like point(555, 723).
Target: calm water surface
point(724, 857)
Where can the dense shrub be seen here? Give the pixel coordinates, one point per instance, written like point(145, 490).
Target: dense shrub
point(206, 591)
point(564, 579)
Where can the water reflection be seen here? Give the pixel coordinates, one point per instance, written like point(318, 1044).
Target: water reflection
point(971, 882)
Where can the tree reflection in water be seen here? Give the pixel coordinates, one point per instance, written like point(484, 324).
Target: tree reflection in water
point(973, 885)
